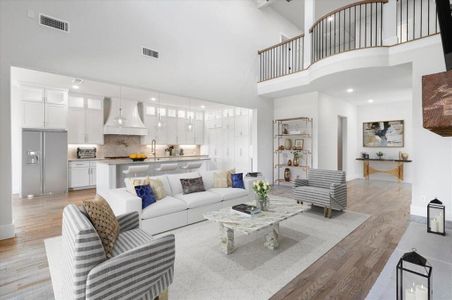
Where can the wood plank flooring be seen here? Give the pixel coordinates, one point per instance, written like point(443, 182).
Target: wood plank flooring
point(347, 271)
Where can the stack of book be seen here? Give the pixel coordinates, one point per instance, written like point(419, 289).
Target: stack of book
point(247, 210)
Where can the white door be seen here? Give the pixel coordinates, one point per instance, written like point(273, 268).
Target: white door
point(94, 121)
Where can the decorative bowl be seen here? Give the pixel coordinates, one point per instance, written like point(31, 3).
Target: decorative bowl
point(139, 159)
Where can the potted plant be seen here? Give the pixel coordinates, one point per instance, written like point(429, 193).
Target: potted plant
point(380, 154)
point(262, 188)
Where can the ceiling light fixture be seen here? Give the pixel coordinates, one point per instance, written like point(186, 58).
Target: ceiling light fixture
point(370, 100)
point(153, 99)
point(350, 90)
point(76, 82)
point(203, 107)
point(120, 119)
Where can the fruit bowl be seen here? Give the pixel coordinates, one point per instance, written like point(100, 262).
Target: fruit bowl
point(137, 157)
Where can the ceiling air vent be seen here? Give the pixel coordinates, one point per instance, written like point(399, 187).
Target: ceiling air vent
point(151, 53)
point(54, 23)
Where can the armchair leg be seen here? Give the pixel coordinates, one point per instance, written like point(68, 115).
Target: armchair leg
point(163, 295)
point(327, 211)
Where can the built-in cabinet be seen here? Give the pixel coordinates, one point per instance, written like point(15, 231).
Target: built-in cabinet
point(228, 138)
point(172, 125)
point(43, 107)
point(85, 120)
point(82, 174)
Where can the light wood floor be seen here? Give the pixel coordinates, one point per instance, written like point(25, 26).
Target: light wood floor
point(347, 271)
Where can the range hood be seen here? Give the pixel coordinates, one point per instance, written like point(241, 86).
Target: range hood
point(128, 111)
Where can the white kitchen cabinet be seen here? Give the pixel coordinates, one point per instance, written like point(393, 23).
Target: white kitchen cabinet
point(43, 107)
point(198, 132)
point(171, 128)
point(242, 127)
point(82, 174)
point(85, 120)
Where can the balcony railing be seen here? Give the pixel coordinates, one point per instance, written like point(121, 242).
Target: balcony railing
point(416, 19)
point(355, 26)
point(282, 59)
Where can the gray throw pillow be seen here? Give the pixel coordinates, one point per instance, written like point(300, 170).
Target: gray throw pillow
point(192, 185)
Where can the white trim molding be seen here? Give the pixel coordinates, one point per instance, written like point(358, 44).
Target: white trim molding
point(7, 231)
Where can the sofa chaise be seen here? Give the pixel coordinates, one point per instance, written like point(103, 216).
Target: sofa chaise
point(176, 209)
point(323, 188)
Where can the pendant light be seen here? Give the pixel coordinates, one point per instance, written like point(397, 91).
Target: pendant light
point(159, 115)
point(120, 119)
point(189, 117)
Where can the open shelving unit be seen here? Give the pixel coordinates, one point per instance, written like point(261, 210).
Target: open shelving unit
point(285, 134)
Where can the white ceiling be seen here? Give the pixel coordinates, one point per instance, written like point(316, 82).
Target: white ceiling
point(292, 11)
point(382, 85)
point(102, 89)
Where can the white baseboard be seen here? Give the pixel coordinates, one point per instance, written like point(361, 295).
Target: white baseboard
point(7, 231)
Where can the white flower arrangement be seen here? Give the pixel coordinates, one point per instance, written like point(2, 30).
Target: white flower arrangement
point(261, 188)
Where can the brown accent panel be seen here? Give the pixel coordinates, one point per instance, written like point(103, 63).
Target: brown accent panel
point(437, 103)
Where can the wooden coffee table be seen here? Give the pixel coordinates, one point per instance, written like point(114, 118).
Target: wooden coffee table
point(230, 221)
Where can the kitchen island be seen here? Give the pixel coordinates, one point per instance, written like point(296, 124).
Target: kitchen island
point(110, 172)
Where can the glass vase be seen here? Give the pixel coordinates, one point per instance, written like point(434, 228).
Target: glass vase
point(262, 202)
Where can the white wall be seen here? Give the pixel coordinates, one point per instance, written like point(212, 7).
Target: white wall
point(325, 111)
point(207, 51)
point(400, 110)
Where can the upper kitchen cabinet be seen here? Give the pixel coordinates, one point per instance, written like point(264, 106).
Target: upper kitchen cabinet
point(43, 107)
point(85, 120)
point(242, 122)
point(199, 128)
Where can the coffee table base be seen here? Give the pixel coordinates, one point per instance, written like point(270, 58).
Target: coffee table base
point(227, 238)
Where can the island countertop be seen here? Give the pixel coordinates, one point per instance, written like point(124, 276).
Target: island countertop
point(157, 160)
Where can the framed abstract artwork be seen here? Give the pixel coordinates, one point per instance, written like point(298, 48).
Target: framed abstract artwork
point(384, 134)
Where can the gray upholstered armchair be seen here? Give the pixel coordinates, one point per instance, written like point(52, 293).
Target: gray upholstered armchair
point(142, 267)
point(324, 188)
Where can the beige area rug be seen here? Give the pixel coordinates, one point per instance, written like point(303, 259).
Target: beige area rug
point(252, 271)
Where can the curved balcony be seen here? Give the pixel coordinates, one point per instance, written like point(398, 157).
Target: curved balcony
point(361, 25)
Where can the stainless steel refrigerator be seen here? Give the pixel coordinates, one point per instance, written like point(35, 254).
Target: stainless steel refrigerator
point(44, 162)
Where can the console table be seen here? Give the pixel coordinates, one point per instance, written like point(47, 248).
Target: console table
point(397, 171)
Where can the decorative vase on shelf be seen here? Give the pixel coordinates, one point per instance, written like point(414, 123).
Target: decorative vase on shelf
point(288, 144)
point(287, 174)
point(380, 155)
point(289, 162)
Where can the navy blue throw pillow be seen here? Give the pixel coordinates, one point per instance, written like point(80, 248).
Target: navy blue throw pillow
point(146, 194)
point(237, 181)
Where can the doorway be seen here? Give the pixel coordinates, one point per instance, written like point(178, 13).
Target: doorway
point(341, 143)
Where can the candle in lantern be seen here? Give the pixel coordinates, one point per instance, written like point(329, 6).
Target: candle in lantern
point(421, 292)
point(434, 225)
point(410, 294)
point(439, 223)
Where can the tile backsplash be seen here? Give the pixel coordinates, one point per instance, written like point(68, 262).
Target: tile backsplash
point(123, 145)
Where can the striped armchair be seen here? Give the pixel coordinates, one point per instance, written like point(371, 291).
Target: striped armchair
point(324, 188)
point(142, 267)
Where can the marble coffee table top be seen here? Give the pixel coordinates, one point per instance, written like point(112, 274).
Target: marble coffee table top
point(280, 209)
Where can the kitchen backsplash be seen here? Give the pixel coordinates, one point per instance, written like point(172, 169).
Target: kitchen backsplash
point(123, 145)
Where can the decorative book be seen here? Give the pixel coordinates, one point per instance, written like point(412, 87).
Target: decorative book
point(245, 209)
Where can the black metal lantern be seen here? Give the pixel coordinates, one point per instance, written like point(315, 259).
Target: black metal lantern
point(414, 277)
point(436, 217)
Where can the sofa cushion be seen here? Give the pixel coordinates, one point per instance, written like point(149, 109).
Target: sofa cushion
point(165, 183)
point(165, 206)
point(146, 194)
point(192, 185)
point(131, 182)
point(237, 181)
point(310, 194)
point(104, 221)
point(174, 181)
point(129, 240)
point(229, 176)
point(207, 178)
point(157, 188)
point(220, 179)
point(199, 199)
point(229, 193)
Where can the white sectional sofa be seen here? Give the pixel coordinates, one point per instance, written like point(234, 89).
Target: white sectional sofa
point(176, 209)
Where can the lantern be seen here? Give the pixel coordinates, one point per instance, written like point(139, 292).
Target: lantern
point(436, 217)
point(413, 276)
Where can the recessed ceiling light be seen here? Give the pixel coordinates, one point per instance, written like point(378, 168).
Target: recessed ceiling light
point(203, 106)
point(76, 82)
point(370, 100)
point(153, 99)
point(75, 87)
point(330, 19)
point(350, 90)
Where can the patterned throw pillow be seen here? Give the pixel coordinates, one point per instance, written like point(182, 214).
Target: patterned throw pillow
point(131, 183)
point(192, 185)
point(158, 188)
point(230, 172)
point(146, 194)
point(104, 221)
point(220, 180)
point(237, 181)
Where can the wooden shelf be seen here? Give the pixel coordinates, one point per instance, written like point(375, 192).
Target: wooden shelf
point(295, 134)
point(305, 151)
point(287, 166)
